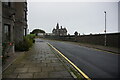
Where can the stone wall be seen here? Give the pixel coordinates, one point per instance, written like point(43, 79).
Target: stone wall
point(0, 39)
point(7, 19)
point(21, 22)
point(119, 16)
point(97, 39)
point(111, 39)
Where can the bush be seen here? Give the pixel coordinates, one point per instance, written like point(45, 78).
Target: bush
point(31, 36)
point(25, 44)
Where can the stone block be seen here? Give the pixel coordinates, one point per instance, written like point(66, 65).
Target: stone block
point(29, 65)
point(34, 69)
point(55, 75)
point(54, 64)
point(1, 18)
point(46, 61)
point(55, 61)
point(47, 69)
point(25, 75)
point(41, 75)
point(60, 74)
point(0, 33)
point(21, 70)
point(10, 76)
point(9, 70)
point(59, 68)
point(65, 73)
point(19, 65)
point(42, 65)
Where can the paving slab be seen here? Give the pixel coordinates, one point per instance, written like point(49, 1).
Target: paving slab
point(41, 75)
point(25, 75)
point(21, 70)
point(10, 75)
point(35, 69)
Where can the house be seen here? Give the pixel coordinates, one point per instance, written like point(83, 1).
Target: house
point(59, 31)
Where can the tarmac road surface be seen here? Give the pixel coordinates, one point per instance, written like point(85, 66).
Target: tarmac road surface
point(94, 63)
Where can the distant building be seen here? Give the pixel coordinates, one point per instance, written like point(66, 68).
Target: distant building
point(59, 31)
point(49, 34)
point(41, 34)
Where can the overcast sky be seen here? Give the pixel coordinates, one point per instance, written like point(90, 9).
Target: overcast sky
point(84, 17)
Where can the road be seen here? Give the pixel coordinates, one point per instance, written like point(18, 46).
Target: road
point(94, 63)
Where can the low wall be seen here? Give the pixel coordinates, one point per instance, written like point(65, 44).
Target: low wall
point(98, 39)
point(111, 39)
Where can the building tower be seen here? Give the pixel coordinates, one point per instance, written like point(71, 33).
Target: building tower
point(57, 27)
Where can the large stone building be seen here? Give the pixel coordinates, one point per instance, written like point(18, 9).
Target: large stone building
point(14, 24)
point(0, 39)
point(119, 16)
point(59, 31)
point(20, 28)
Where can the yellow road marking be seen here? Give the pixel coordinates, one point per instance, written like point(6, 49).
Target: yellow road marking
point(81, 72)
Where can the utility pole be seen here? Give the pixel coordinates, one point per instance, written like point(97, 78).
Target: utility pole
point(105, 28)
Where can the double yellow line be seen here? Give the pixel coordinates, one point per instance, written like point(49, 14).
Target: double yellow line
point(81, 72)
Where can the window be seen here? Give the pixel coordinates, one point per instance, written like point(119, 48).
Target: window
point(7, 32)
point(8, 4)
point(24, 31)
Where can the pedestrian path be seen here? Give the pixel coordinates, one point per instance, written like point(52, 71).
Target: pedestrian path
point(39, 62)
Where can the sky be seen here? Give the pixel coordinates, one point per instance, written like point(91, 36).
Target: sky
point(83, 17)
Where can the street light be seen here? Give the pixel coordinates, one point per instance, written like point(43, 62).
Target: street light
point(105, 28)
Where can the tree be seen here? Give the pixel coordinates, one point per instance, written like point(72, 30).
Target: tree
point(36, 31)
point(76, 33)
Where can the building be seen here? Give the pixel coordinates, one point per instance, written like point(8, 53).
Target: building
point(119, 16)
point(59, 31)
point(8, 20)
point(41, 35)
point(14, 24)
point(0, 27)
point(0, 39)
point(49, 34)
point(20, 28)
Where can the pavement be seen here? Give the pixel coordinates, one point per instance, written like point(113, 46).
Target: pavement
point(10, 59)
point(38, 62)
point(93, 62)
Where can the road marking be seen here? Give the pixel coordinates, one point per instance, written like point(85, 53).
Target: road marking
point(81, 72)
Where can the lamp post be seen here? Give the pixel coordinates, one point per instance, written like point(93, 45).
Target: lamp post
point(105, 28)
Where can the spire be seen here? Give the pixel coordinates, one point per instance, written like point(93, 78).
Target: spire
point(57, 27)
point(61, 27)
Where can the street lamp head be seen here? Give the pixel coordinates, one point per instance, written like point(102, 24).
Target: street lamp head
point(104, 11)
